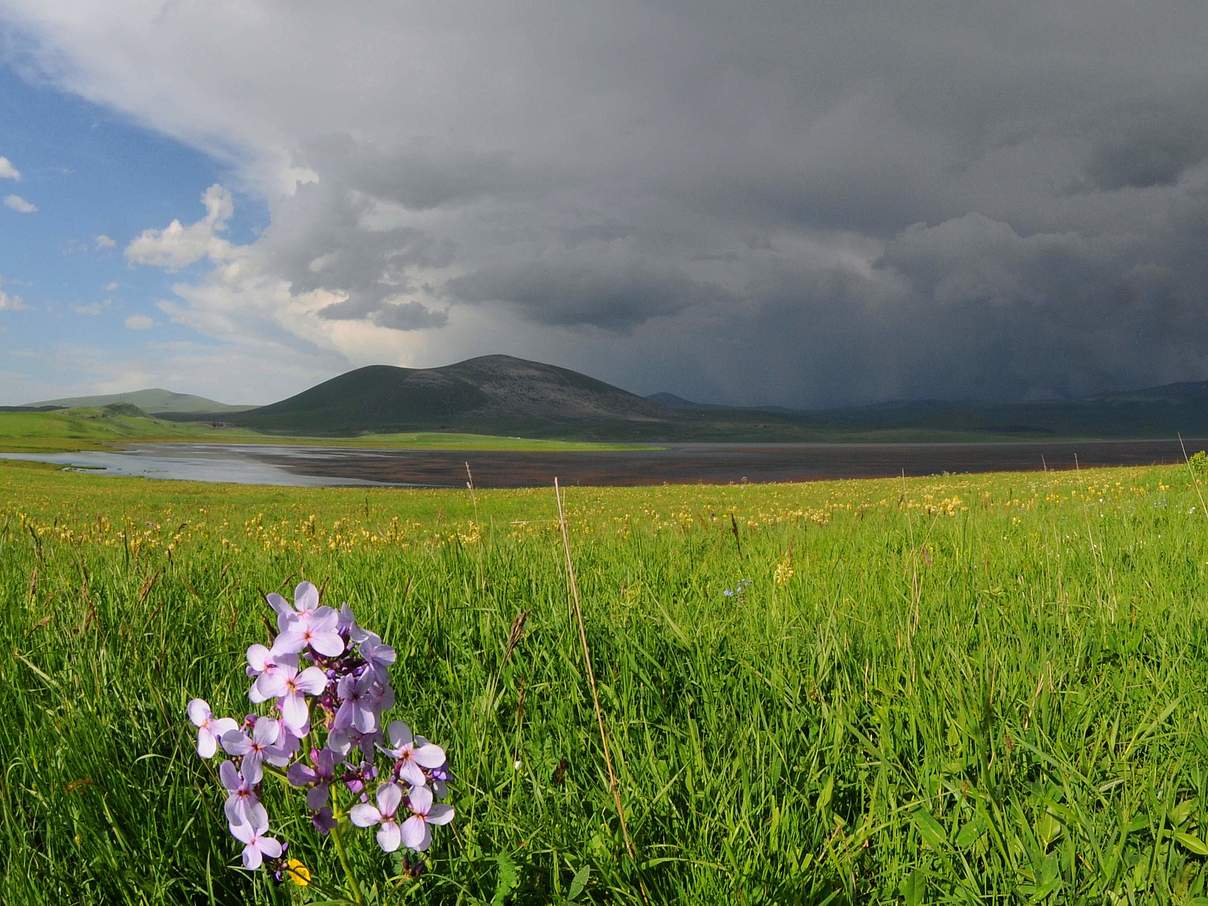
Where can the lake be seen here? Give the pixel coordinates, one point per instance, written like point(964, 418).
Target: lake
point(677, 463)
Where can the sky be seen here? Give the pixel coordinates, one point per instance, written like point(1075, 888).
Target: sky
point(797, 203)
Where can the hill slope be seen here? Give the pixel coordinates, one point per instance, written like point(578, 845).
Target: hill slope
point(490, 394)
point(1181, 393)
point(503, 395)
point(154, 401)
point(93, 428)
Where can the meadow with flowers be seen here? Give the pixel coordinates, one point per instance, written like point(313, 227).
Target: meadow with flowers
point(924, 690)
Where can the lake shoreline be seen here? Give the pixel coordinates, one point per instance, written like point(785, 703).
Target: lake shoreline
point(696, 463)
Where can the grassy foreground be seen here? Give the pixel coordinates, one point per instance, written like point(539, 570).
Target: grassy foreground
point(939, 690)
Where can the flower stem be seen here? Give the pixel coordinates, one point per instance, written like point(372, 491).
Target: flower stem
point(336, 836)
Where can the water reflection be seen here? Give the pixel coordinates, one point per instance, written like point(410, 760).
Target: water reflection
point(705, 463)
point(233, 463)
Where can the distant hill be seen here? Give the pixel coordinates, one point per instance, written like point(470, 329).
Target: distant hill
point(87, 428)
point(1180, 393)
point(154, 401)
point(503, 395)
point(671, 401)
point(495, 394)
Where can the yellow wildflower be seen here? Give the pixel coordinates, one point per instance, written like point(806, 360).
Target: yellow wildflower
point(297, 872)
point(784, 570)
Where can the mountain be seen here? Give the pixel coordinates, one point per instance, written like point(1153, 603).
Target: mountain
point(154, 401)
point(491, 394)
point(671, 401)
point(503, 395)
point(1180, 393)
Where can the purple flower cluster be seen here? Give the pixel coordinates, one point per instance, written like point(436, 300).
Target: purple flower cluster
point(326, 681)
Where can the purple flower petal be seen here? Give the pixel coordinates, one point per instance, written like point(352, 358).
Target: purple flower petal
point(317, 796)
point(364, 719)
point(233, 808)
point(251, 772)
point(222, 726)
point(415, 833)
point(421, 800)
point(323, 821)
point(340, 740)
point(252, 857)
point(312, 680)
point(306, 596)
point(207, 745)
point(229, 776)
point(364, 815)
point(243, 832)
point(235, 742)
point(294, 711)
point(440, 814)
point(279, 755)
point(256, 815)
point(389, 795)
point(282, 609)
point(413, 774)
point(258, 658)
point(199, 711)
point(270, 847)
point(327, 643)
point(300, 774)
point(292, 640)
point(271, 684)
point(388, 836)
point(399, 734)
point(266, 731)
point(429, 756)
point(324, 619)
point(251, 762)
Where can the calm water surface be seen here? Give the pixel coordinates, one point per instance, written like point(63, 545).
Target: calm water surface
point(723, 463)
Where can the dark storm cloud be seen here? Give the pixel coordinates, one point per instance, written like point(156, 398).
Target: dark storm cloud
point(421, 174)
point(320, 239)
point(615, 295)
point(799, 203)
point(395, 315)
point(408, 316)
point(1145, 145)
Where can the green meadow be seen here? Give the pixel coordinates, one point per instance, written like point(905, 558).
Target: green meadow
point(946, 690)
point(68, 430)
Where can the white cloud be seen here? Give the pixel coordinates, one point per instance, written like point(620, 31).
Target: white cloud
point(104, 242)
point(111, 286)
point(139, 322)
point(92, 309)
point(213, 371)
point(20, 205)
point(177, 245)
point(7, 170)
point(10, 302)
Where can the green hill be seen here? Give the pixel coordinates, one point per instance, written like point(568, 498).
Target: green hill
point(503, 395)
point(489, 395)
point(89, 428)
point(153, 401)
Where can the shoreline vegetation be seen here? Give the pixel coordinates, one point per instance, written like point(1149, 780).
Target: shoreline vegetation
point(111, 428)
point(929, 689)
point(71, 430)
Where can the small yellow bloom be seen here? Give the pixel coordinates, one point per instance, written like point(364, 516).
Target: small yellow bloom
point(297, 872)
point(784, 570)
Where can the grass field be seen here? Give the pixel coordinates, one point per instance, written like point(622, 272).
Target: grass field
point(977, 688)
point(95, 429)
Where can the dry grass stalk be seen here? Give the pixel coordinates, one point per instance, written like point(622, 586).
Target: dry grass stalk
point(613, 785)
